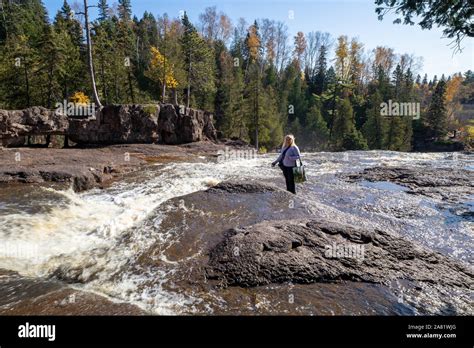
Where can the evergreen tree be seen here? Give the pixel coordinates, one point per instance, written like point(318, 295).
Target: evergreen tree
point(425, 80)
point(65, 20)
point(125, 10)
point(418, 79)
point(103, 10)
point(344, 135)
point(198, 64)
point(436, 117)
point(398, 81)
point(374, 129)
point(317, 131)
point(320, 78)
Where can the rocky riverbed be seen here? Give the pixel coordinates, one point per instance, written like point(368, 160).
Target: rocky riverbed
point(369, 233)
point(86, 168)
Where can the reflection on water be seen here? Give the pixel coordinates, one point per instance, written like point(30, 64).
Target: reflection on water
point(384, 185)
point(98, 235)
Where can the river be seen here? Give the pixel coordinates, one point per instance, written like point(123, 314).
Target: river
point(97, 236)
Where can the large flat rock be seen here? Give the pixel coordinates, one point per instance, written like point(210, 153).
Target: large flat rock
point(313, 250)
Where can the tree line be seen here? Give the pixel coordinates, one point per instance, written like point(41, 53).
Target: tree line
point(257, 80)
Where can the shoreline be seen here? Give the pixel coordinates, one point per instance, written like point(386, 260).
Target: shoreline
point(85, 168)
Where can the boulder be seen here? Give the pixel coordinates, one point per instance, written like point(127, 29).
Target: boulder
point(448, 184)
point(16, 124)
point(117, 124)
point(309, 251)
point(178, 125)
point(113, 124)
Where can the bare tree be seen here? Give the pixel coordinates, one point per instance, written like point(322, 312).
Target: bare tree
point(410, 61)
point(268, 29)
point(209, 22)
point(383, 57)
point(282, 52)
point(315, 40)
point(215, 26)
point(89, 54)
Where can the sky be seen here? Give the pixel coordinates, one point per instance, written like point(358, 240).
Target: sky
point(354, 18)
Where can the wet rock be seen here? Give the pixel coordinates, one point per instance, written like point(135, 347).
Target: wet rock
point(20, 295)
point(242, 187)
point(23, 175)
point(85, 168)
point(81, 179)
point(311, 250)
point(85, 182)
point(451, 184)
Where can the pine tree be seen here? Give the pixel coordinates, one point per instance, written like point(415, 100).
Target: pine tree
point(20, 61)
point(436, 117)
point(418, 79)
point(320, 78)
point(23, 29)
point(297, 103)
point(125, 10)
point(65, 20)
point(374, 128)
point(198, 64)
point(344, 134)
point(398, 81)
point(395, 134)
point(317, 130)
point(425, 80)
point(103, 10)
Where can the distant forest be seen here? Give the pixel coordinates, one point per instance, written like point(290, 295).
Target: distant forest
point(254, 76)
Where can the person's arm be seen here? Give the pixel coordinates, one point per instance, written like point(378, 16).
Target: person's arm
point(279, 157)
point(294, 154)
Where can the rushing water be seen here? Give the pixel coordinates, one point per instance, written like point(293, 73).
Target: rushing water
point(100, 231)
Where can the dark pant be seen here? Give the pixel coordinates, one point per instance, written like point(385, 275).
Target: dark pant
point(289, 178)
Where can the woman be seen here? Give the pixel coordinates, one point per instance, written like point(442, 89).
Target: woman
point(287, 161)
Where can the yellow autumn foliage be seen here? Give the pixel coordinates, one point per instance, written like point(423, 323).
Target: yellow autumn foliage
point(253, 42)
point(158, 64)
point(452, 87)
point(79, 98)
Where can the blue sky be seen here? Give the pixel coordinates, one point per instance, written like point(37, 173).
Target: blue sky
point(354, 18)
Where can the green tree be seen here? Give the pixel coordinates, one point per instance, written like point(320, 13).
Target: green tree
point(316, 128)
point(125, 10)
point(436, 118)
point(320, 78)
point(374, 128)
point(344, 135)
point(103, 10)
point(198, 63)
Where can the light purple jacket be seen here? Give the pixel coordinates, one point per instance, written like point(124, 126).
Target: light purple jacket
point(291, 156)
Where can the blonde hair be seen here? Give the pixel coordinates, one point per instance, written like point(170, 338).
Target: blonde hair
point(291, 139)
